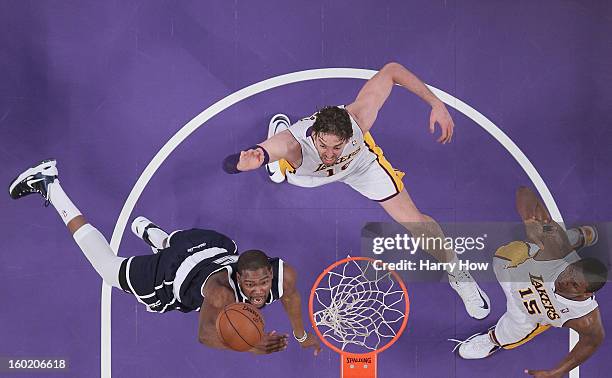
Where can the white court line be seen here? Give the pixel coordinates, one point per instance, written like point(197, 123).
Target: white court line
point(262, 86)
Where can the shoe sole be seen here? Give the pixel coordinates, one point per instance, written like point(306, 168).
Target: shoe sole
point(477, 358)
point(595, 236)
point(31, 171)
point(273, 125)
point(139, 220)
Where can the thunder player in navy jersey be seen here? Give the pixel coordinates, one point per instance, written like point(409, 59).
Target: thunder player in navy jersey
point(190, 270)
point(335, 144)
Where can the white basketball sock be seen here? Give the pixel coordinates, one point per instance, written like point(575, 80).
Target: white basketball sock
point(99, 253)
point(157, 237)
point(64, 206)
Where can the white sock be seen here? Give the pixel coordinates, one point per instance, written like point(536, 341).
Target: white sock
point(99, 253)
point(64, 206)
point(455, 268)
point(573, 235)
point(157, 237)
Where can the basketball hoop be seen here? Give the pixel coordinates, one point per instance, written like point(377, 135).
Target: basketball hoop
point(358, 311)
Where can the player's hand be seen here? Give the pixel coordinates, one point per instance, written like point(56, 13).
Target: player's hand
point(543, 373)
point(439, 114)
point(541, 215)
point(312, 341)
point(270, 343)
point(250, 159)
point(534, 231)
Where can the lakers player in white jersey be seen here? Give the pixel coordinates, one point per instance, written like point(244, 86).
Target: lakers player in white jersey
point(546, 285)
point(335, 144)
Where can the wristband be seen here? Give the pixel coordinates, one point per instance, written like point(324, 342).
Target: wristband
point(300, 339)
point(230, 164)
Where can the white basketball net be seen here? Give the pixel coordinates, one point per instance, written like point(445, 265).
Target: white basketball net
point(361, 306)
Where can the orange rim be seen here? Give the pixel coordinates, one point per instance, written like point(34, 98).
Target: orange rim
point(311, 305)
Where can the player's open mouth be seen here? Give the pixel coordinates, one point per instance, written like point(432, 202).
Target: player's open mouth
point(257, 301)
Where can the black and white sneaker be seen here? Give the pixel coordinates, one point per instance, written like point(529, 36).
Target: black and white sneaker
point(278, 123)
point(35, 180)
point(141, 227)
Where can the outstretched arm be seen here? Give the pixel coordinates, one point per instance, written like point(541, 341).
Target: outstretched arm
point(591, 333)
point(376, 91)
point(292, 302)
point(215, 299)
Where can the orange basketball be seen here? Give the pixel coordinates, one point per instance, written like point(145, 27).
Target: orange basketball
point(240, 326)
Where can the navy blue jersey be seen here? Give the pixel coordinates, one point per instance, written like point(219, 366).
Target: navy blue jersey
point(173, 278)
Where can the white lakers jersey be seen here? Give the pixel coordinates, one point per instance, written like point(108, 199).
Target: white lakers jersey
point(530, 284)
point(313, 172)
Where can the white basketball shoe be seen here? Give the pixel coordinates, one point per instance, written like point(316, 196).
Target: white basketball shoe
point(475, 300)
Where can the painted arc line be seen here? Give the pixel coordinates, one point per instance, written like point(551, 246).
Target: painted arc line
point(274, 82)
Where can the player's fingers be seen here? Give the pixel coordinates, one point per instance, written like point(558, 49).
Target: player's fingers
point(451, 131)
point(276, 348)
point(432, 125)
point(444, 134)
point(277, 337)
point(277, 345)
point(257, 155)
point(448, 134)
point(271, 340)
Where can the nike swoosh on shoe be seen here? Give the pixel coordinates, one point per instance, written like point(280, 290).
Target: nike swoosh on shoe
point(32, 182)
point(485, 306)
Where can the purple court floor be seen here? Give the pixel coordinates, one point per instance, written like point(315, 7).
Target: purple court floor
point(102, 86)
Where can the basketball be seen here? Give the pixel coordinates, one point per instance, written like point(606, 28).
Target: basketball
point(240, 326)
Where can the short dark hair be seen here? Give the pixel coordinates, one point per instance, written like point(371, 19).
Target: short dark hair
point(253, 259)
point(333, 120)
point(594, 271)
